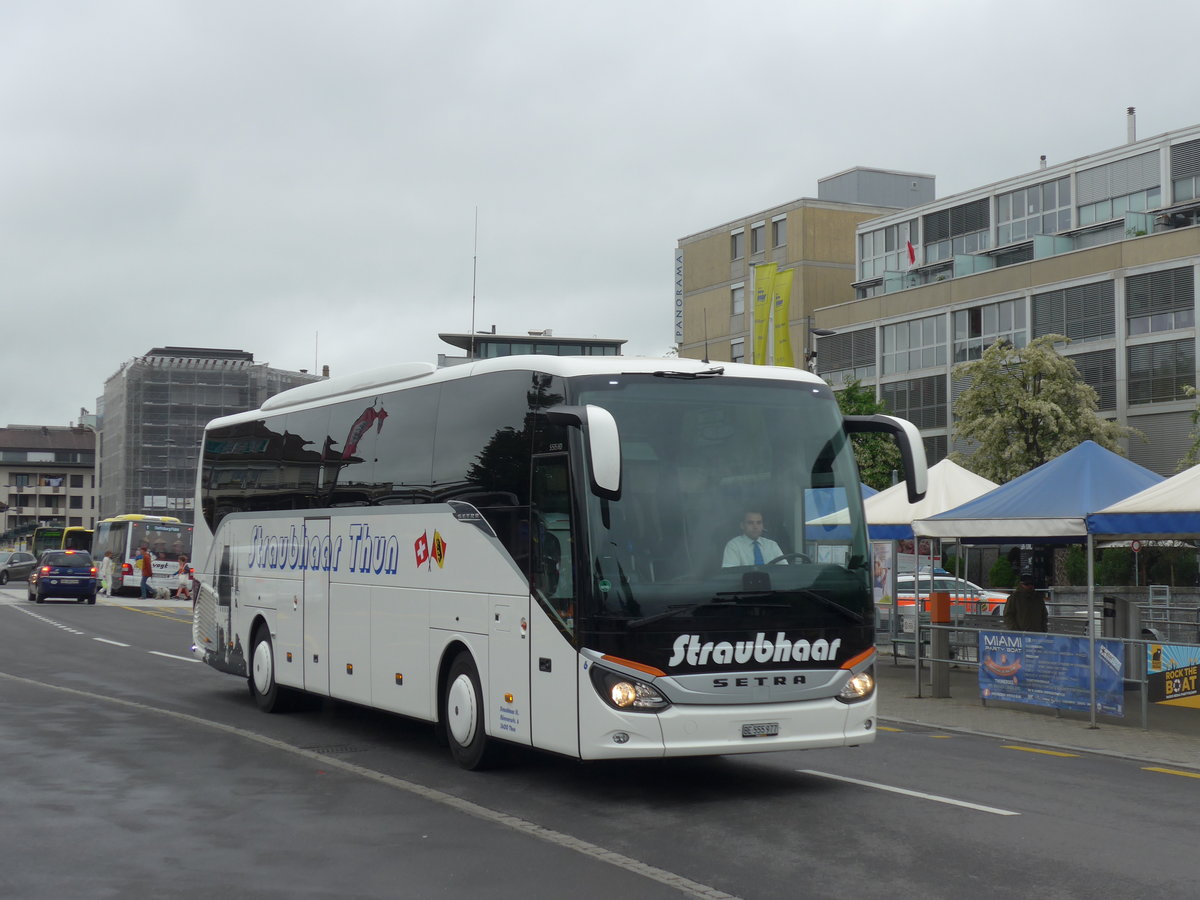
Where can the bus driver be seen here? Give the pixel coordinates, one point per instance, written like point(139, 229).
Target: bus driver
point(750, 548)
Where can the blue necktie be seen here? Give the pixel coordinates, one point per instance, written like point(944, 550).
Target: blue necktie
point(758, 560)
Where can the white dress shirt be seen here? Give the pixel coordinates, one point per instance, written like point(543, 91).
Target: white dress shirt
point(740, 551)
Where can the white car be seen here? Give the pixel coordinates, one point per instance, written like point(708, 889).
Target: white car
point(961, 591)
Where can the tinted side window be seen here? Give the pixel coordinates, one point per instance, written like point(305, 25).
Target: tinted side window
point(403, 448)
point(483, 440)
point(302, 443)
point(241, 469)
point(482, 452)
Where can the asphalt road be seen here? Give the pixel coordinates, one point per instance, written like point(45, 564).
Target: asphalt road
point(130, 770)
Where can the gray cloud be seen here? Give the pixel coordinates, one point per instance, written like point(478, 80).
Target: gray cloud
point(252, 175)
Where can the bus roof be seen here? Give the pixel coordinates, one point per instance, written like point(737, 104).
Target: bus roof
point(372, 382)
point(138, 517)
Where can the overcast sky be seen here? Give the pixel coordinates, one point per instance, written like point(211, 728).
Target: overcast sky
point(300, 179)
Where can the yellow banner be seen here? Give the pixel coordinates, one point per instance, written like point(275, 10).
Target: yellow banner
point(782, 302)
point(764, 279)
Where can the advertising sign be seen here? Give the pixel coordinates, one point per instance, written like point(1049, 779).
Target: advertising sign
point(1051, 670)
point(1171, 671)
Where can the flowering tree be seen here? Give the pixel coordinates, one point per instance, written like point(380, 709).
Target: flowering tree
point(1025, 407)
point(876, 454)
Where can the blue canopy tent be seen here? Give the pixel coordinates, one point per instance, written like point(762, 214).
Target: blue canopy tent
point(1046, 505)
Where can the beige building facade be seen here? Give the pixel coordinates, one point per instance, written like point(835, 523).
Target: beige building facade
point(1104, 249)
point(812, 237)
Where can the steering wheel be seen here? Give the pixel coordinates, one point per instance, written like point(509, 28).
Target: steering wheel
point(801, 557)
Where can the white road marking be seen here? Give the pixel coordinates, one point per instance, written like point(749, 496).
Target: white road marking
point(172, 656)
point(907, 793)
point(532, 829)
point(107, 641)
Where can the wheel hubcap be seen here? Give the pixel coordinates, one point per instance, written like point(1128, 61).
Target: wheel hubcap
point(461, 714)
point(262, 667)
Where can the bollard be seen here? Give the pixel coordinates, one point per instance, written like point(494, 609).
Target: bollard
point(939, 644)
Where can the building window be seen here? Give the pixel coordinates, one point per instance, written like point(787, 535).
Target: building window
point(957, 231)
point(846, 356)
point(1159, 372)
point(1185, 171)
point(737, 350)
point(982, 326)
point(1038, 209)
point(886, 249)
point(737, 299)
point(76, 502)
point(920, 400)
point(935, 447)
point(758, 238)
point(779, 232)
point(919, 344)
point(1086, 312)
point(76, 481)
point(1160, 301)
point(737, 245)
point(1099, 369)
point(1116, 207)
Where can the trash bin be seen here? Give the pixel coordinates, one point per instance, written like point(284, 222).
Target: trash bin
point(1122, 619)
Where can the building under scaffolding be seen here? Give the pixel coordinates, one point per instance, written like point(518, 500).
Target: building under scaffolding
point(152, 417)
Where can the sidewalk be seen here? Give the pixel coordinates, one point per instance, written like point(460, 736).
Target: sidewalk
point(1172, 737)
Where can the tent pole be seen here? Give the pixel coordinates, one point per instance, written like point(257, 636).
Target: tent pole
point(1091, 577)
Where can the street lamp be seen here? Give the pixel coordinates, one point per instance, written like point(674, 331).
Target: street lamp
point(810, 350)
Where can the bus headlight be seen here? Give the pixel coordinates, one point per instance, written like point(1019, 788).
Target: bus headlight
point(859, 687)
point(625, 693)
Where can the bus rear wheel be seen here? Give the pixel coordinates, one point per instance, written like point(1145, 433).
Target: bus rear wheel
point(269, 696)
point(463, 715)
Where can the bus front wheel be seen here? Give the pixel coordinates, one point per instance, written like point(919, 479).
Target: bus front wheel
point(463, 715)
point(266, 692)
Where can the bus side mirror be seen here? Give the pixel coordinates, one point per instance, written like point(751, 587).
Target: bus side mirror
point(603, 441)
point(908, 439)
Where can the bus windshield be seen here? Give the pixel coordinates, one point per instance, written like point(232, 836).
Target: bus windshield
point(700, 458)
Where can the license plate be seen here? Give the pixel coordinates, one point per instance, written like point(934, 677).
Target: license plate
point(68, 581)
point(760, 729)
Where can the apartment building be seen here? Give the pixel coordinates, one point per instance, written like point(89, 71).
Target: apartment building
point(152, 416)
point(1104, 249)
point(812, 237)
point(47, 476)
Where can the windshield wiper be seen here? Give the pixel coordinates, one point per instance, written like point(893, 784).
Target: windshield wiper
point(850, 614)
point(707, 373)
point(720, 601)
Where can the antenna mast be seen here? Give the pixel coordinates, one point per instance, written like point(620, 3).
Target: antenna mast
point(474, 270)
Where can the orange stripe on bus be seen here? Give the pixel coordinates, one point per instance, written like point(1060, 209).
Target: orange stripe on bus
point(855, 660)
point(641, 667)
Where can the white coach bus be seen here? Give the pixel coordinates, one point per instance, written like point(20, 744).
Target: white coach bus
point(529, 550)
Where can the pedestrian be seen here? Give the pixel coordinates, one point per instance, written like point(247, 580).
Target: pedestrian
point(1025, 610)
point(184, 577)
point(146, 567)
point(106, 573)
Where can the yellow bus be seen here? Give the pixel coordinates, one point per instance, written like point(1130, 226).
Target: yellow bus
point(60, 537)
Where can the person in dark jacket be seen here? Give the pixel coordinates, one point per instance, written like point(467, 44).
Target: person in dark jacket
point(1025, 610)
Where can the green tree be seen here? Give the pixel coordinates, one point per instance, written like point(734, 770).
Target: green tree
point(1193, 455)
point(1076, 565)
point(876, 454)
point(1024, 407)
point(1002, 574)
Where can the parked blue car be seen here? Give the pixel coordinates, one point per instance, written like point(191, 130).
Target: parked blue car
point(64, 573)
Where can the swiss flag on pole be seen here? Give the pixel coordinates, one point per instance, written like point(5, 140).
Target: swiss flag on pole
point(912, 253)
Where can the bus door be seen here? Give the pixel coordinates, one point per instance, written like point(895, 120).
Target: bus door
point(315, 609)
point(554, 661)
